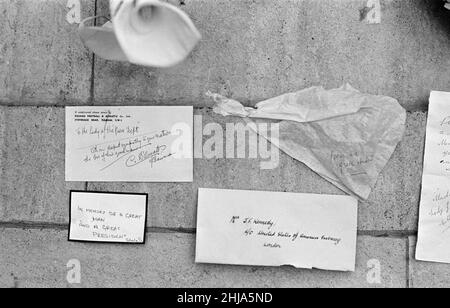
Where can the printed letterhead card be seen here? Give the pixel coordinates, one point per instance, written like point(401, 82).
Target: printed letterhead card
point(433, 242)
point(275, 229)
point(108, 217)
point(129, 144)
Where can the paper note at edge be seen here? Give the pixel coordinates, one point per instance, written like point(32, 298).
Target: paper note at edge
point(433, 242)
point(221, 242)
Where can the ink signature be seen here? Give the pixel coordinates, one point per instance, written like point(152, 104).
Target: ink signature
point(132, 158)
point(152, 157)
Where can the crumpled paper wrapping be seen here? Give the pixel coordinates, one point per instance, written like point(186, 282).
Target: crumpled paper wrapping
point(345, 136)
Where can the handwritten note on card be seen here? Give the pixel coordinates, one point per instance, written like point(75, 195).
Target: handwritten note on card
point(275, 229)
point(129, 144)
point(108, 217)
point(433, 242)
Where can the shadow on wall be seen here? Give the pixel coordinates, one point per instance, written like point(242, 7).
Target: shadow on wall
point(439, 13)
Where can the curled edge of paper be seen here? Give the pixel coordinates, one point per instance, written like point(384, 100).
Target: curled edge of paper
point(101, 40)
point(164, 40)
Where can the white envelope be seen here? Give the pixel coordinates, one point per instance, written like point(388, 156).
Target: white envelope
point(275, 229)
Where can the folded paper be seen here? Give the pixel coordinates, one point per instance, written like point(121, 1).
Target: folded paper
point(129, 144)
point(108, 217)
point(276, 229)
point(143, 32)
point(102, 40)
point(433, 242)
point(345, 136)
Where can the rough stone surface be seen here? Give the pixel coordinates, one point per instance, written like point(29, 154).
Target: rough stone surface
point(38, 258)
point(254, 50)
point(42, 60)
point(394, 202)
point(3, 196)
point(32, 162)
point(426, 274)
point(392, 206)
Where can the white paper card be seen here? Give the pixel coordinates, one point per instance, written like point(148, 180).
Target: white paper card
point(129, 144)
point(275, 229)
point(108, 217)
point(434, 218)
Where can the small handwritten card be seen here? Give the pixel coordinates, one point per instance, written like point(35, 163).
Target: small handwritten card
point(275, 229)
point(433, 242)
point(108, 217)
point(129, 144)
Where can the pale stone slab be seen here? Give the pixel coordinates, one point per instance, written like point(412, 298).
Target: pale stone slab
point(426, 274)
point(32, 164)
point(42, 59)
point(39, 258)
point(254, 50)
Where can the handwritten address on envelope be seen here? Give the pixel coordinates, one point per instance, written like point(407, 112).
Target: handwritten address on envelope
point(108, 217)
point(433, 242)
point(129, 144)
point(275, 229)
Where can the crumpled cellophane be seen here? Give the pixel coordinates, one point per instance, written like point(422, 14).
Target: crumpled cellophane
point(345, 136)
